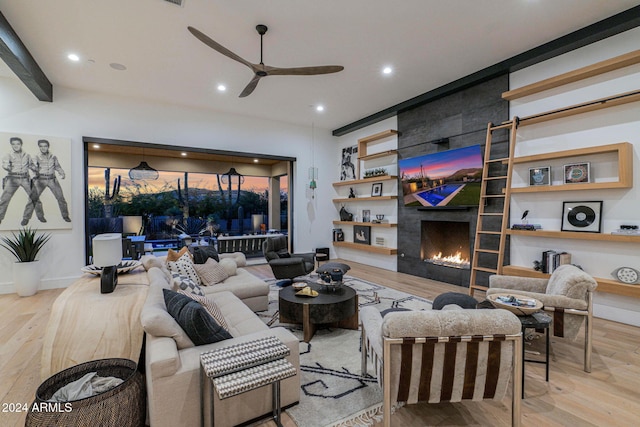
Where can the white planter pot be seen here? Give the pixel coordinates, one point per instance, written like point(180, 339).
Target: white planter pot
point(26, 278)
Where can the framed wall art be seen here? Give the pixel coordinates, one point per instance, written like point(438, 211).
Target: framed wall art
point(376, 189)
point(582, 216)
point(540, 175)
point(348, 163)
point(366, 215)
point(362, 234)
point(577, 172)
point(36, 182)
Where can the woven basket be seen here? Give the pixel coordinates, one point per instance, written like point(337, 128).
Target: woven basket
point(122, 406)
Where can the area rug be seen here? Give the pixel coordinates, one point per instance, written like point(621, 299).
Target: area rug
point(333, 393)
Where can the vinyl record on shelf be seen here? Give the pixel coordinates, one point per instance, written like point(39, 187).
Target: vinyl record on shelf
point(581, 216)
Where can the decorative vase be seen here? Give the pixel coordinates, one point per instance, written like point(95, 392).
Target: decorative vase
point(26, 278)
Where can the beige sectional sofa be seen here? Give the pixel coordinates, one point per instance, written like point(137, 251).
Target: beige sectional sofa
point(172, 363)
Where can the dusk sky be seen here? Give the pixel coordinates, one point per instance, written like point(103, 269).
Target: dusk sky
point(170, 179)
point(442, 164)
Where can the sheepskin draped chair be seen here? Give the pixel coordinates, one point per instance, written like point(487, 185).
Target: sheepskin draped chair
point(444, 356)
point(567, 295)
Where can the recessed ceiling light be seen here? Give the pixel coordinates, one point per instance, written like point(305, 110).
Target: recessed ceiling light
point(117, 66)
point(222, 88)
point(183, 154)
point(387, 70)
point(255, 160)
point(73, 57)
point(320, 108)
point(96, 145)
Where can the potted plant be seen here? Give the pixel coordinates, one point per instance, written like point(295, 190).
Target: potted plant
point(25, 246)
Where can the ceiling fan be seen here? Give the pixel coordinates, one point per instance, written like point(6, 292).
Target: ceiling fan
point(260, 70)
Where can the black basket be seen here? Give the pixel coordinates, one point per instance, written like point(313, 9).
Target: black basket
point(122, 406)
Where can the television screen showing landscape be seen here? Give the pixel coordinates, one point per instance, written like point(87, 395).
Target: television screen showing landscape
point(446, 178)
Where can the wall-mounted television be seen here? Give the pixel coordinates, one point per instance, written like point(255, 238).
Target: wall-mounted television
point(450, 178)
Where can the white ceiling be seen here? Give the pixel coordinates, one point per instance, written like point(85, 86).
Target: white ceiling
point(428, 42)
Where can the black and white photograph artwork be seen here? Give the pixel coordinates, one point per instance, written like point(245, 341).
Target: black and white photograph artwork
point(362, 234)
point(36, 182)
point(348, 163)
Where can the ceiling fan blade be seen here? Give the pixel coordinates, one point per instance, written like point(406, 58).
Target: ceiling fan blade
point(218, 47)
point(303, 71)
point(251, 86)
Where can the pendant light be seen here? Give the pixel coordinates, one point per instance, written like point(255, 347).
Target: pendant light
point(143, 171)
point(313, 171)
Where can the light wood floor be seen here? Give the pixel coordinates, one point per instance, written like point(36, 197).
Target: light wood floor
point(609, 396)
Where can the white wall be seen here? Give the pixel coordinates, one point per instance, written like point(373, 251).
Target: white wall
point(75, 114)
point(602, 127)
point(388, 262)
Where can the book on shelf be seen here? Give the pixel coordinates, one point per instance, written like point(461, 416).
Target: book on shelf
point(243, 356)
point(530, 227)
point(552, 260)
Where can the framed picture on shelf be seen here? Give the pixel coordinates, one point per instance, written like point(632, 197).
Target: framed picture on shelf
point(540, 175)
point(347, 163)
point(366, 215)
point(577, 172)
point(376, 189)
point(582, 216)
point(362, 234)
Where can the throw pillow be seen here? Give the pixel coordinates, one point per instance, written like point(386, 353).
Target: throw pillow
point(283, 253)
point(174, 256)
point(186, 284)
point(184, 266)
point(209, 305)
point(202, 253)
point(230, 266)
point(211, 272)
point(199, 325)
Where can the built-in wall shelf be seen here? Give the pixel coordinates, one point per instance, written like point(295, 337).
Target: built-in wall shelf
point(371, 224)
point(379, 155)
point(602, 67)
point(364, 199)
point(597, 104)
point(367, 248)
point(380, 135)
point(381, 178)
point(576, 235)
point(609, 286)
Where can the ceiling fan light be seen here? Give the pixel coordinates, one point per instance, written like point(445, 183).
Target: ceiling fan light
point(143, 171)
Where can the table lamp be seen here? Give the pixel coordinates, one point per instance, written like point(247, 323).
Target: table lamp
point(107, 253)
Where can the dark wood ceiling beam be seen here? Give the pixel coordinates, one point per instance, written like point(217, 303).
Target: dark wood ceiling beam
point(608, 27)
point(18, 58)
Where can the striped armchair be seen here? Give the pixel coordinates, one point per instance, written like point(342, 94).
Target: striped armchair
point(443, 356)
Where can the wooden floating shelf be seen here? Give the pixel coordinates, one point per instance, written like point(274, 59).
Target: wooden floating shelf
point(576, 235)
point(609, 286)
point(379, 155)
point(372, 224)
point(598, 68)
point(367, 248)
point(622, 149)
point(364, 199)
point(380, 135)
point(571, 187)
point(366, 180)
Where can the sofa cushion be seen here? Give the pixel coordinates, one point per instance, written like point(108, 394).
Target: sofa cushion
point(155, 319)
point(211, 272)
point(202, 253)
point(238, 257)
point(184, 267)
point(149, 261)
point(186, 284)
point(230, 266)
point(199, 325)
point(209, 305)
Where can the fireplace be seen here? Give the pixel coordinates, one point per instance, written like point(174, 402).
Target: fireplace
point(445, 249)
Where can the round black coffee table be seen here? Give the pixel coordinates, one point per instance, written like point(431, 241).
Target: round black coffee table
point(337, 307)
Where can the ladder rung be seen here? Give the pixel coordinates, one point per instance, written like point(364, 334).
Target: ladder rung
point(493, 195)
point(488, 270)
point(489, 232)
point(490, 178)
point(504, 159)
point(482, 288)
point(488, 251)
point(502, 126)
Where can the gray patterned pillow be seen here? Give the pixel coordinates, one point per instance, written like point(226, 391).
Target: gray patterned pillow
point(184, 267)
point(186, 284)
point(211, 272)
point(211, 307)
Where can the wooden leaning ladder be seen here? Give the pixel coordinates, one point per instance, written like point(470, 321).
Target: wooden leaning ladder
point(490, 237)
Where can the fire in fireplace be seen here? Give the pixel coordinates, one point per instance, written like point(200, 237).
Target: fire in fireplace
point(446, 243)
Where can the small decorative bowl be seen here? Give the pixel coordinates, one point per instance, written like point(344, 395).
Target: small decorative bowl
point(299, 285)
